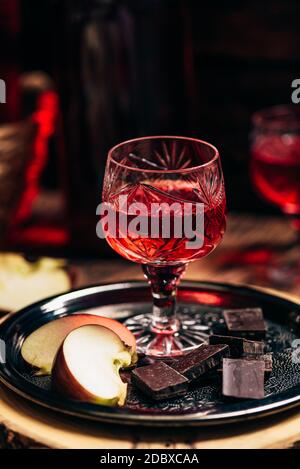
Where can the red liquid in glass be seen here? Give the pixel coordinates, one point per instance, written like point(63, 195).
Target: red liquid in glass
point(168, 250)
point(275, 171)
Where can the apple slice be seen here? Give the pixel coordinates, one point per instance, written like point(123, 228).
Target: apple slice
point(41, 346)
point(87, 366)
point(23, 282)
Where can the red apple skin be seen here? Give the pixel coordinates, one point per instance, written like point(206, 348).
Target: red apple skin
point(66, 384)
point(125, 334)
point(78, 320)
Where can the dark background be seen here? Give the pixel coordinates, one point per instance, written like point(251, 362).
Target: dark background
point(159, 66)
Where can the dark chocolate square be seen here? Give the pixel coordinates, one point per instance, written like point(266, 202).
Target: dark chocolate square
point(159, 381)
point(243, 378)
point(245, 321)
point(200, 360)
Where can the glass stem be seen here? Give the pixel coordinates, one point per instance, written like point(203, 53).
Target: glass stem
point(164, 282)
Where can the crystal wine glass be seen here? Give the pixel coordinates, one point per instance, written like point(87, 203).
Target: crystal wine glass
point(275, 173)
point(275, 165)
point(165, 206)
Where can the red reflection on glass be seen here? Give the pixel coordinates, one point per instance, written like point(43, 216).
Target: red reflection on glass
point(45, 117)
point(40, 235)
point(276, 170)
point(249, 257)
point(205, 298)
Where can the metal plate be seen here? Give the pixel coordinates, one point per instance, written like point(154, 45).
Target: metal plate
point(204, 403)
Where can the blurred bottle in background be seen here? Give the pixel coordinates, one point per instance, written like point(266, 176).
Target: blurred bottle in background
point(27, 121)
point(125, 69)
point(16, 138)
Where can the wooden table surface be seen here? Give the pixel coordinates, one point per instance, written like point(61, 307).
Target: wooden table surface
point(249, 245)
point(241, 258)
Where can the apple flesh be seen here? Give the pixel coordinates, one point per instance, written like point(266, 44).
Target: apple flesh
point(41, 346)
point(87, 366)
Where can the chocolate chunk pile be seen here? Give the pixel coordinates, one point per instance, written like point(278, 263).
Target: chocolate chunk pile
point(238, 354)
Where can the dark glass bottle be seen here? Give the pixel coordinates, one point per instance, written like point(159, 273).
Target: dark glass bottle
point(125, 70)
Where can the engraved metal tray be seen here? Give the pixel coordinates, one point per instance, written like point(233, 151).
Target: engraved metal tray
point(204, 403)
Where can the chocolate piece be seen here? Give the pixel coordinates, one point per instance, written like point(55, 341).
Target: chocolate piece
point(247, 322)
point(243, 378)
point(267, 359)
point(200, 360)
point(253, 347)
point(159, 381)
point(238, 345)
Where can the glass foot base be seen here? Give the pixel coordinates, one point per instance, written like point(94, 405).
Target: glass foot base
point(189, 336)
